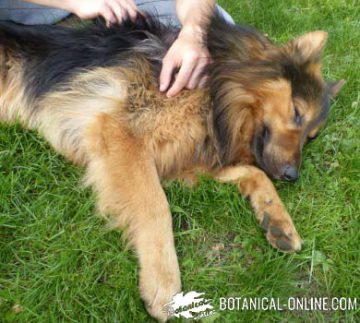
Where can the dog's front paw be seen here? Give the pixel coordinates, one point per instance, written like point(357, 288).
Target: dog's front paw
point(157, 287)
point(281, 232)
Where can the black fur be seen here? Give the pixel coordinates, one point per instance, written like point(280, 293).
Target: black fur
point(233, 48)
point(230, 47)
point(52, 54)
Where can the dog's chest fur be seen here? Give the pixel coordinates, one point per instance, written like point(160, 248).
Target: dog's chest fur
point(178, 130)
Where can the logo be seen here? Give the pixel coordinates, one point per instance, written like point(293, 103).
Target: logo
point(189, 306)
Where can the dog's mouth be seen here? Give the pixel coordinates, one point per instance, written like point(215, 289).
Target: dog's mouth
point(288, 171)
point(268, 163)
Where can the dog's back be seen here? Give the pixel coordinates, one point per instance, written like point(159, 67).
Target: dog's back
point(52, 54)
point(58, 80)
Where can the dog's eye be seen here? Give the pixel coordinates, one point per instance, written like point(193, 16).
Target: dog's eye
point(297, 118)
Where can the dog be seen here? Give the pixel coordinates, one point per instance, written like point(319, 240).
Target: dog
point(92, 92)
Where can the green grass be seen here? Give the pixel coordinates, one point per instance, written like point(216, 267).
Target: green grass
point(59, 263)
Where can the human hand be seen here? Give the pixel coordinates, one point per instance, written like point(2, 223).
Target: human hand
point(113, 11)
point(188, 54)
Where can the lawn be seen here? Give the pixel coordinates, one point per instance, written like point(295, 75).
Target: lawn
point(58, 263)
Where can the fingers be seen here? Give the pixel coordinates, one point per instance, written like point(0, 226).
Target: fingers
point(108, 15)
point(190, 74)
point(132, 14)
point(166, 72)
point(113, 11)
point(196, 75)
point(120, 10)
point(124, 9)
point(131, 4)
point(182, 78)
point(132, 10)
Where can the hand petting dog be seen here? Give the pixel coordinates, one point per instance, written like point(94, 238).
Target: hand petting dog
point(113, 11)
point(188, 56)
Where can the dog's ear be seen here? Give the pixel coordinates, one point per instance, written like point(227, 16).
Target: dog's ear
point(310, 45)
point(334, 87)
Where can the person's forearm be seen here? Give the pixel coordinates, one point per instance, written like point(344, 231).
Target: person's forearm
point(193, 14)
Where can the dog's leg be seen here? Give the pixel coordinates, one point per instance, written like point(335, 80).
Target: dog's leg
point(128, 187)
point(269, 210)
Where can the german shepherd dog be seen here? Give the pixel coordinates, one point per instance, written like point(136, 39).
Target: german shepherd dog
point(92, 92)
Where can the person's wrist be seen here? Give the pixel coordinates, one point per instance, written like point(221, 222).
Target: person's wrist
point(193, 31)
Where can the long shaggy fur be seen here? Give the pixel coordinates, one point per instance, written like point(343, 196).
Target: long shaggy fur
point(92, 92)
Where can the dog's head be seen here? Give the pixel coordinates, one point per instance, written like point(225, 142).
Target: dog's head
point(293, 107)
point(271, 99)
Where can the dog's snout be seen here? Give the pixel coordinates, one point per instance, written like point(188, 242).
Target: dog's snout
point(290, 173)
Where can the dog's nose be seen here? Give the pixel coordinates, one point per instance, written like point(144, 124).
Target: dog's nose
point(290, 173)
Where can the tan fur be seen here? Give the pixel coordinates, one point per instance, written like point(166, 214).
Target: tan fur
point(253, 183)
point(12, 90)
point(311, 44)
point(131, 136)
point(123, 173)
point(62, 119)
point(128, 135)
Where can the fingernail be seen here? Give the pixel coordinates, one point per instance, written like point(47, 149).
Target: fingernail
point(162, 87)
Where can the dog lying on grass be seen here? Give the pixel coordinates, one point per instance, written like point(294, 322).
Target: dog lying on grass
point(92, 92)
